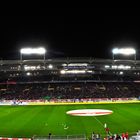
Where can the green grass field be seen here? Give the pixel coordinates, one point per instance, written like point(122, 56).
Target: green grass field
point(26, 121)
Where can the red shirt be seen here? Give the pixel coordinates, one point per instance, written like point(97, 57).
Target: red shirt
point(107, 129)
point(126, 135)
point(123, 135)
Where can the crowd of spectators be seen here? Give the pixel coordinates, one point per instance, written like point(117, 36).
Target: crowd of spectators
point(123, 136)
point(69, 90)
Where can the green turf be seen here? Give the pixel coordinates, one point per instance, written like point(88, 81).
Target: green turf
point(26, 121)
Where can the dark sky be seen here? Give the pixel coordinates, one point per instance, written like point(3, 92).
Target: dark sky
point(91, 34)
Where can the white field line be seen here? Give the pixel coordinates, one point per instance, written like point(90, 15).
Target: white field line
point(100, 123)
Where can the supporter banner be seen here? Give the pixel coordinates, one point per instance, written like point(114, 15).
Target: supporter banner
point(89, 100)
point(13, 102)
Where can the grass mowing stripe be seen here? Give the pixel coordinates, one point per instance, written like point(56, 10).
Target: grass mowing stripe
point(41, 121)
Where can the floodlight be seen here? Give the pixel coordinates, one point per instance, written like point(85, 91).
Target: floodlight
point(125, 51)
point(39, 50)
point(128, 51)
point(29, 51)
point(115, 51)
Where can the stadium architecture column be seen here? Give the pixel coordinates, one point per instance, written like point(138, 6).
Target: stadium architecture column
point(124, 51)
point(30, 51)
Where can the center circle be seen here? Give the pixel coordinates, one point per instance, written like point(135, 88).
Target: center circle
point(89, 112)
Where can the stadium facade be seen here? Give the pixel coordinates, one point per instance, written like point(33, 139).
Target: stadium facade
point(69, 69)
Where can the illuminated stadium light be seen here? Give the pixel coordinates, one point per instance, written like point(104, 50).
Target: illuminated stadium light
point(124, 67)
point(75, 71)
point(114, 66)
point(121, 72)
point(30, 51)
point(124, 51)
point(38, 67)
point(27, 68)
point(39, 50)
point(28, 73)
point(121, 67)
point(50, 66)
point(127, 67)
point(72, 71)
point(107, 66)
point(78, 64)
point(64, 65)
point(62, 71)
point(127, 51)
point(89, 71)
point(115, 51)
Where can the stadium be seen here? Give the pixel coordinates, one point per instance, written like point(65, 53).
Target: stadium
point(70, 98)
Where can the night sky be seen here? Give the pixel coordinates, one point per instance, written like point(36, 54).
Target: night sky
point(84, 34)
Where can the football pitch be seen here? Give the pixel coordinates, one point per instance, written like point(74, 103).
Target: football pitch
point(27, 121)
